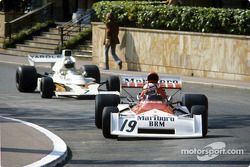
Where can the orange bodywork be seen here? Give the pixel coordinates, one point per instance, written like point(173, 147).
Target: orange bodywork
point(60, 88)
point(144, 106)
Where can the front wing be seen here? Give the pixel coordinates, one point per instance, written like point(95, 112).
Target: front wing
point(162, 127)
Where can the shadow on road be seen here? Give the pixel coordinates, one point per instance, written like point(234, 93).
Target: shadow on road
point(155, 162)
point(228, 121)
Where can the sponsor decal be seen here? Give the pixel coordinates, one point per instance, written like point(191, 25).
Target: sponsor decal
point(167, 81)
point(156, 124)
point(45, 56)
point(172, 83)
point(134, 80)
point(155, 120)
point(143, 81)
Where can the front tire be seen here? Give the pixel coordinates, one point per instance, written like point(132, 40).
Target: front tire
point(47, 87)
point(92, 71)
point(190, 100)
point(26, 78)
point(201, 110)
point(106, 121)
point(101, 101)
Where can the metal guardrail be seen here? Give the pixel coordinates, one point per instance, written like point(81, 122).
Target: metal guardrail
point(26, 21)
point(75, 25)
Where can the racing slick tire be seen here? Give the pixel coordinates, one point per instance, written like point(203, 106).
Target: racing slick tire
point(190, 100)
point(201, 110)
point(26, 78)
point(106, 121)
point(113, 83)
point(47, 87)
point(101, 101)
point(92, 71)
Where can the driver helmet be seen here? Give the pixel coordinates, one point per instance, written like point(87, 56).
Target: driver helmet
point(68, 63)
point(153, 77)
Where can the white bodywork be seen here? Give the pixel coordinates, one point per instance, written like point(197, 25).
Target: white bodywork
point(154, 123)
point(74, 82)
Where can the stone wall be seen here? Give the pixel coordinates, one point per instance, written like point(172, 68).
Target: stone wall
point(6, 17)
point(180, 53)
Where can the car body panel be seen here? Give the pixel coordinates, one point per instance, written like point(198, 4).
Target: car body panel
point(155, 123)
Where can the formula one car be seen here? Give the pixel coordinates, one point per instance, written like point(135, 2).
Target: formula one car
point(64, 80)
point(153, 116)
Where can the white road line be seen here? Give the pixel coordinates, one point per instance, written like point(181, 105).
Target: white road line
point(59, 152)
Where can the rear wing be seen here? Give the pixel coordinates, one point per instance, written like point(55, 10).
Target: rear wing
point(44, 58)
point(139, 82)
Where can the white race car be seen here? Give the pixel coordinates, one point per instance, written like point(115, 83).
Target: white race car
point(153, 116)
point(64, 80)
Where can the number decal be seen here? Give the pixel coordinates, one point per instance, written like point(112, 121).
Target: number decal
point(123, 125)
point(130, 126)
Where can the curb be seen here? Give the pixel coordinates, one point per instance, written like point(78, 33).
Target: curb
point(59, 152)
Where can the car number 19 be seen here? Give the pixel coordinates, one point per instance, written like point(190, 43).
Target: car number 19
point(128, 126)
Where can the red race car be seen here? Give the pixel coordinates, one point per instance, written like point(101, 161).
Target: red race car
point(152, 114)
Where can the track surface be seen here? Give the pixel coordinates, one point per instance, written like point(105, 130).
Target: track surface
point(73, 121)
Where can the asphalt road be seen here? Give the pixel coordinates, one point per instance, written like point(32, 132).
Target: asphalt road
point(73, 121)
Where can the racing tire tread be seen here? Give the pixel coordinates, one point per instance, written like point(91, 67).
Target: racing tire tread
point(113, 83)
point(106, 121)
point(190, 100)
point(47, 87)
point(92, 71)
point(26, 78)
point(101, 101)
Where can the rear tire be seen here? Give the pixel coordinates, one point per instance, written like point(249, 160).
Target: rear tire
point(101, 101)
point(47, 87)
point(201, 110)
point(113, 83)
point(92, 71)
point(26, 78)
point(190, 100)
point(106, 121)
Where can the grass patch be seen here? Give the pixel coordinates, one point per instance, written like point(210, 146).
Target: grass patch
point(73, 42)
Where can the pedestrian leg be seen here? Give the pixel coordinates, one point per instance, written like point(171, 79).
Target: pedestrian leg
point(115, 57)
point(106, 57)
